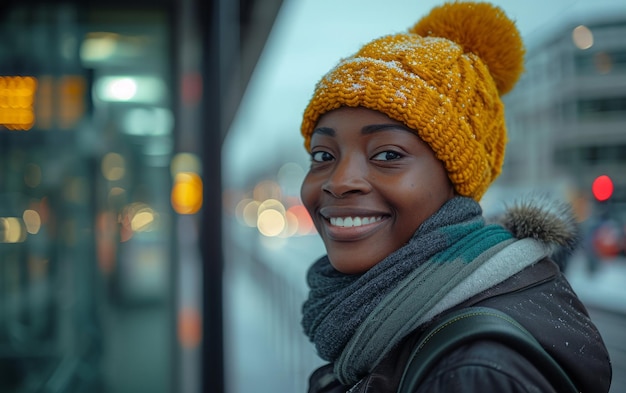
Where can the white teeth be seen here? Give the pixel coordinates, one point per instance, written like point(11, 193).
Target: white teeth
point(347, 222)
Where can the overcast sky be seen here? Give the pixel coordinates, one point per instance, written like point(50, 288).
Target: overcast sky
point(310, 36)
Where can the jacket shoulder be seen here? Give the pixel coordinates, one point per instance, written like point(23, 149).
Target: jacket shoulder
point(485, 366)
point(552, 312)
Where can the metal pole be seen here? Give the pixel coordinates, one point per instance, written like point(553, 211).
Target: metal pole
point(212, 364)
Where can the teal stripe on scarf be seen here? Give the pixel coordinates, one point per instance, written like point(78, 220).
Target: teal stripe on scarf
point(470, 246)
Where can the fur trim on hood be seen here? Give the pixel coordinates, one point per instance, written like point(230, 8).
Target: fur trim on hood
point(543, 218)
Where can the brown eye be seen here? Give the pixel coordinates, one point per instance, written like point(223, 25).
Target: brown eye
point(387, 156)
point(321, 156)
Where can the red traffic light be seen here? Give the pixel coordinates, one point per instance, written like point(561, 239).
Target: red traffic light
point(602, 188)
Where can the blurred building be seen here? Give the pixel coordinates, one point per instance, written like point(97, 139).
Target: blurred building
point(112, 115)
point(567, 115)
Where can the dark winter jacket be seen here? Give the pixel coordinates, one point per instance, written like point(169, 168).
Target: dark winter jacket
point(538, 297)
point(542, 301)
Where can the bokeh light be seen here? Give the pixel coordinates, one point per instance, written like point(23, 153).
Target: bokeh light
point(113, 166)
point(189, 327)
point(272, 204)
point(271, 222)
point(17, 95)
point(185, 162)
point(602, 188)
point(142, 220)
point(305, 224)
point(582, 37)
point(250, 212)
point(266, 189)
point(32, 220)
point(603, 62)
point(11, 230)
point(186, 195)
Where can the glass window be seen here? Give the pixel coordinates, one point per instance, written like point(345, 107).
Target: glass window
point(86, 128)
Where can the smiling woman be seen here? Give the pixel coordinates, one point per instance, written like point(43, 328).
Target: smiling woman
point(372, 183)
point(405, 136)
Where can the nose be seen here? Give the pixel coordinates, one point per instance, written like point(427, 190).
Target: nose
point(349, 176)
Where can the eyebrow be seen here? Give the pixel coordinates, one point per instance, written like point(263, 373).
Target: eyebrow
point(369, 129)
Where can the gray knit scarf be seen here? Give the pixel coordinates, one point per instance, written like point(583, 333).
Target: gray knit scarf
point(354, 320)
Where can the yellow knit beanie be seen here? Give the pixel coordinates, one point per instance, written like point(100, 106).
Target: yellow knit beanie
point(443, 79)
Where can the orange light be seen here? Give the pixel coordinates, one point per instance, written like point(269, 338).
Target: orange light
point(602, 188)
point(305, 224)
point(186, 195)
point(189, 327)
point(71, 96)
point(17, 94)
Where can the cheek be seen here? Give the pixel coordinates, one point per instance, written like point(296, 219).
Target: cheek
point(423, 196)
point(308, 192)
point(310, 195)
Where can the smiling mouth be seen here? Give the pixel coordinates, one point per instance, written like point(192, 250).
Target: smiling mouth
point(349, 222)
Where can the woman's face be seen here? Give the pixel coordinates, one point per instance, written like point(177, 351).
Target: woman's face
point(371, 184)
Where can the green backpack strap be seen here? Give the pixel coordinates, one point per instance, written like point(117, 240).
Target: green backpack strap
point(478, 323)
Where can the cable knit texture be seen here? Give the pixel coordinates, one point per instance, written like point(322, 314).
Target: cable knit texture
point(443, 79)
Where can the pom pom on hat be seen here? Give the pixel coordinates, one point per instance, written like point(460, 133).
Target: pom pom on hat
point(482, 29)
point(443, 79)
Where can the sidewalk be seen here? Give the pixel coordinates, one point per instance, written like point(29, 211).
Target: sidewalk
point(605, 288)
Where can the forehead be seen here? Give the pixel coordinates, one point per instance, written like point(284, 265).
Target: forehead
point(363, 120)
point(348, 125)
point(353, 114)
